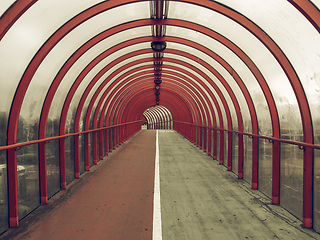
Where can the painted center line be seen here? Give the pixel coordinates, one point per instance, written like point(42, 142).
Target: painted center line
point(157, 230)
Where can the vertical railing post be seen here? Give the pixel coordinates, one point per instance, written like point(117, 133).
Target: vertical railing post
point(12, 188)
point(63, 174)
point(230, 143)
point(275, 172)
point(198, 135)
point(86, 152)
point(308, 177)
point(214, 143)
point(221, 147)
point(94, 146)
point(106, 143)
point(240, 156)
point(101, 144)
point(110, 139)
point(118, 135)
point(255, 162)
point(209, 141)
point(205, 138)
point(114, 138)
point(43, 173)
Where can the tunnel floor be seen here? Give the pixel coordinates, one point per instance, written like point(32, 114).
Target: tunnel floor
point(199, 199)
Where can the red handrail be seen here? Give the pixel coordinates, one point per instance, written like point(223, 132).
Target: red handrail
point(19, 145)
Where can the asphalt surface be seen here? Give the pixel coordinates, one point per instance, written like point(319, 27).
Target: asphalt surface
point(200, 199)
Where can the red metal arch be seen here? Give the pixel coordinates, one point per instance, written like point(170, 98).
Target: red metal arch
point(128, 73)
point(305, 118)
point(180, 85)
point(173, 101)
point(146, 81)
point(118, 80)
point(183, 95)
point(124, 67)
point(110, 77)
point(86, 160)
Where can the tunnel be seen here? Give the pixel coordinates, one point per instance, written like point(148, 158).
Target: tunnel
point(240, 80)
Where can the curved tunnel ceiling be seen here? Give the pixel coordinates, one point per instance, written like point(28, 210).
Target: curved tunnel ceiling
point(247, 66)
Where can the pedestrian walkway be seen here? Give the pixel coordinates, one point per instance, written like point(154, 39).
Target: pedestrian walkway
point(199, 200)
point(112, 201)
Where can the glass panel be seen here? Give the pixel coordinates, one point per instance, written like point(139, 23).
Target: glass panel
point(225, 149)
point(27, 130)
point(207, 139)
point(69, 147)
point(211, 141)
point(316, 3)
point(28, 179)
point(53, 127)
point(3, 192)
point(316, 192)
point(299, 41)
point(53, 168)
point(224, 74)
point(291, 179)
point(235, 152)
point(290, 121)
point(218, 145)
point(265, 167)
point(98, 146)
point(5, 5)
point(81, 153)
point(83, 62)
point(69, 128)
point(216, 81)
point(90, 149)
point(3, 174)
point(247, 159)
point(104, 142)
point(32, 30)
point(253, 47)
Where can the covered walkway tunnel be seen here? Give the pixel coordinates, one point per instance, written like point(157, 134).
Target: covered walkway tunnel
point(238, 79)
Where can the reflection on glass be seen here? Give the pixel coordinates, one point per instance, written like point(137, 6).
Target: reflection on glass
point(265, 167)
point(211, 141)
point(90, 149)
point(225, 149)
point(218, 145)
point(291, 179)
point(98, 146)
point(81, 153)
point(28, 179)
point(247, 159)
point(27, 130)
point(69, 146)
point(3, 193)
point(235, 152)
point(104, 141)
point(53, 168)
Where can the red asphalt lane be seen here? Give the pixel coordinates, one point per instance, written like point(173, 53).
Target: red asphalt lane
point(116, 202)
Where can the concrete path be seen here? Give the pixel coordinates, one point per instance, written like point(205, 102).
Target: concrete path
point(201, 200)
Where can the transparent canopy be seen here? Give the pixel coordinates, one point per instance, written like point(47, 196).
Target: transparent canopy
point(252, 64)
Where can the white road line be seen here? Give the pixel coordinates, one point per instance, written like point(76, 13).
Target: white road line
point(157, 230)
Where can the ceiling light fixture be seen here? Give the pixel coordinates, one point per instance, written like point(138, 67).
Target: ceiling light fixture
point(158, 46)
